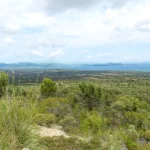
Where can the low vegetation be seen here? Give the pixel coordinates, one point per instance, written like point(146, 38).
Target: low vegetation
point(111, 113)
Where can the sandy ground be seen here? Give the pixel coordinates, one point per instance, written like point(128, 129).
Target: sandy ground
point(52, 132)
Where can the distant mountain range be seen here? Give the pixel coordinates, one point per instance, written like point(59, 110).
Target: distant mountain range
point(107, 66)
point(53, 65)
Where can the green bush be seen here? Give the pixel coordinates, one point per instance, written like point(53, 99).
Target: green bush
point(45, 119)
point(147, 135)
point(144, 147)
point(89, 96)
point(131, 145)
point(132, 133)
point(69, 124)
point(130, 137)
point(111, 140)
point(62, 143)
point(28, 92)
point(17, 128)
point(3, 83)
point(48, 87)
point(130, 110)
point(60, 107)
point(91, 123)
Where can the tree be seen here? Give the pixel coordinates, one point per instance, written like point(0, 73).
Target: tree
point(89, 96)
point(48, 87)
point(3, 83)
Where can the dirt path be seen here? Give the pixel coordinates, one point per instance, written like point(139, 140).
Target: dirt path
point(52, 132)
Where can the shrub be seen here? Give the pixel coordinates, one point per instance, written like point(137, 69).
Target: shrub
point(131, 110)
point(48, 87)
point(61, 143)
point(132, 133)
point(28, 92)
point(3, 83)
point(45, 119)
point(17, 128)
point(60, 107)
point(130, 137)
point(147, 135)
point(91, 123)
point(131, 145)
point(111, 140)
point(89, 96)
point(69, 124)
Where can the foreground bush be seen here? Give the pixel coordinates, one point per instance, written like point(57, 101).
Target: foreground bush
point(91, 123)
point(17, 128)
point(45, 119)
point(59, 107)
point(147, 135)
point(62, 143)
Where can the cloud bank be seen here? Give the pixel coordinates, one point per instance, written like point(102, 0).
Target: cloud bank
point(74, 31)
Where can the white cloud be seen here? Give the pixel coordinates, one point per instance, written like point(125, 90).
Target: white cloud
point(56, 6)
point(34, 19)
point(37, 53)
point(104, 54)
point(43, 42)
point(9, 28)
point(132, 58)
point(90, 57)
point(8, 40)
point(80, 25)
point(75, 28)
point(84, 51)
point(55, 54)
point(100, 55)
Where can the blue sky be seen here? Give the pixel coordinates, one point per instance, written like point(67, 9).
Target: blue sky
point(81, 31)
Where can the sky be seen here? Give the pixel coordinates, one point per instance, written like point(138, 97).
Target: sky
point(75, 31)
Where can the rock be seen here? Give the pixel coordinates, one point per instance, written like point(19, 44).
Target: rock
point(52, 132)
point(124, 147)
point(142, 141)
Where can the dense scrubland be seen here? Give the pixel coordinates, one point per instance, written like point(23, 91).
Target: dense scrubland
point(98, 111)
